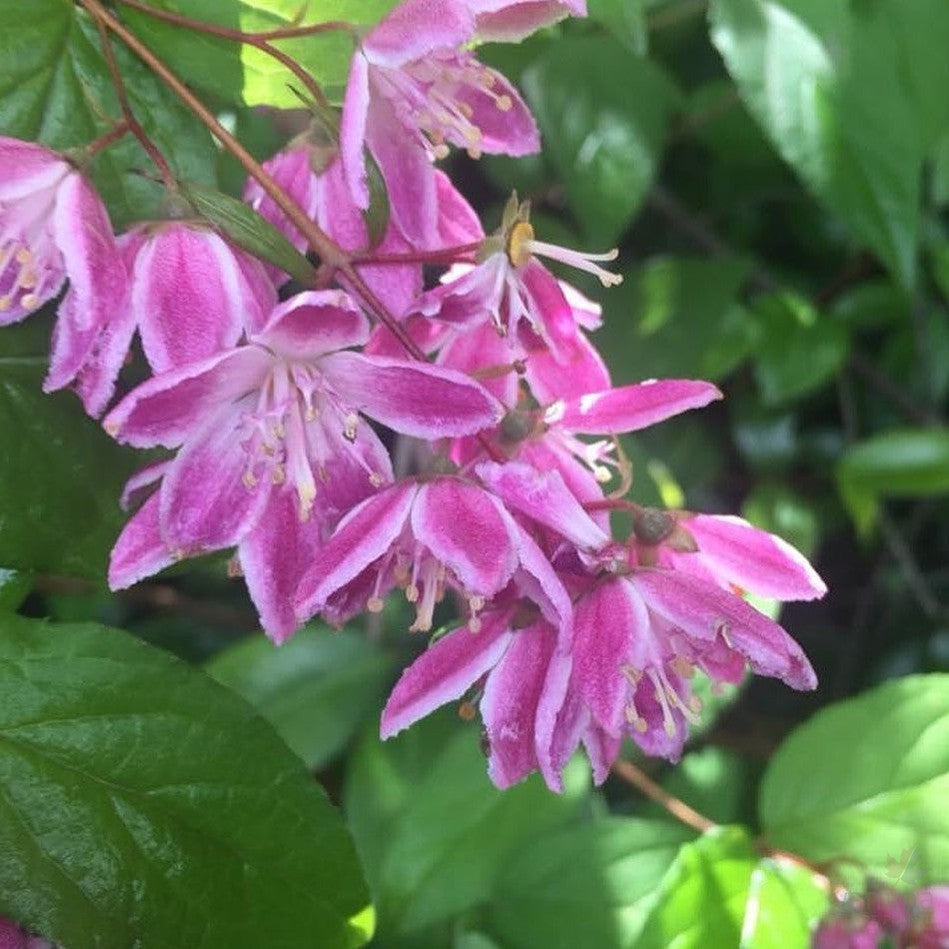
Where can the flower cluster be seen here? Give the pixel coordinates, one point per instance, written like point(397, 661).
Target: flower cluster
point(887, 917)
point(277, 411)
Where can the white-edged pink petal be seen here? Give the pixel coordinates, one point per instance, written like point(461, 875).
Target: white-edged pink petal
point(445, 671)
point(313, 323)
point(537, 579)
point(139, 551)
point(630, 408)
point(352, 129)
point(418, 27)
point(26, 167)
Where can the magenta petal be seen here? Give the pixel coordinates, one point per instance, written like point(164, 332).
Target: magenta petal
point(458, 222)
point(98, 280)
point(413, 398)
point(509, 704)
point(205, 504)
point(135, 490)
point(478, 348)
point(274, 556)
point(544, 497)
point(510, 21)
point(705, 612)
point(512, 131)
point(445, 671)
point(537, 579)
point(361, 538)
point(140, 551)
point(554, 706)
point(26, 168)
point(352, 130)
point(468, 299)
point(417, 27)
point(550, 308)
point(166, 408)
point(469, 531)
point(409, 174)
point(313, 323)
point(630, 408)
point(579, 370)
point(753, 559)
point(602, 749)
point(608, 622)
point(187, 296)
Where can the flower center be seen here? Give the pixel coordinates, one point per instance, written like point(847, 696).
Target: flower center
point(29, 260)
point(297, 428)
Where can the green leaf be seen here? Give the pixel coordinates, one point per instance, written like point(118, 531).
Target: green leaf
point(867, 780)
point(60, 474)
point(677, 316)
point(315, 689)
point(713, 781)
point(589, 885)
point(702, 900)
point(825, 83)
point(625, 19)
point(15, 587)
point(246, 228)
point(604, 116)
point(143, 804)
point(912, 462)
point(432, 831)
point(241, 73)
point(55, 88)
point(785, 902)
point(800, 350)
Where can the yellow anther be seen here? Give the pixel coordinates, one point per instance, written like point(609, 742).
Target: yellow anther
point(518, 250)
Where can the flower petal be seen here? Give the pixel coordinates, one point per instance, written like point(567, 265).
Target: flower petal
point(412, 398)
point(313, 323)
point(752, 559)
point(140, 551)
point(361, 538)
point(705, 612)
point(134, 491)
point(579, 370)
point(26, 168)
point(508, 131)
point(607, 623)
point(205, 504)
point(510, 21)
point(352, 129)
point(418, 27)
point(510, 702)
point(97, 275)
point(469, 531)
point(544, 497)
point(274, 556)
point(602, 750)
point(445, 671)
point(630, 408)
point(458, 222)
point(554, 722)
point(166, 408)
point(537, 579)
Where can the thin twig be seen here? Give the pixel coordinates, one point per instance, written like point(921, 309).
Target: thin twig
point(132, 123)
point(449, 255)
point(678, 809)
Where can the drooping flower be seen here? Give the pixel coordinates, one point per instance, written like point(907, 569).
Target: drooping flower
point(513, 291)
point(192, 293)
point(14, 937)
point(412, 91)
point(428, 536)
point(270, 434)
point(54, 227)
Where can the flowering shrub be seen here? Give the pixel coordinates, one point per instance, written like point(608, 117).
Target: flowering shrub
point(349, 385)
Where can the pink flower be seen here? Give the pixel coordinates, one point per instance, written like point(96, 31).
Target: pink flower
point(412, 91)
point(515, 293)
point(428, 536)
point(269, 432)
point(54, 227)
point(848, 931)
point(192, 293)
point(930, 918)
point(13, 937)
point(512, 20)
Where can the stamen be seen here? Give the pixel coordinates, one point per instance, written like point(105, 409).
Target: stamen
point(374, 604)
point(578, 259)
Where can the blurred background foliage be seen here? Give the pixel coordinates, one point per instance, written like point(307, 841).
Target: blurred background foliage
point(776, 176)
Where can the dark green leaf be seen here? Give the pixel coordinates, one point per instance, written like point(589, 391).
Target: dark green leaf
point(55, 88)
point(60, 474)
point(589, 885)
point(702, 899)
point(141, 804)
point(432, 831)
point(626, 19)
point(677, 316)
point(604, 116)
point(826, 85)
point(315, 689)
point(15, 587)
point(800, 350)
point(867, 780)
point(246, 228)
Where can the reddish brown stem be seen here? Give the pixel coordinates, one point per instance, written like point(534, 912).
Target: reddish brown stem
point(119, 130)
point(678, 809)
point(131, 122)
point(257, 40)
point(448, 255)
point(612, 504)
